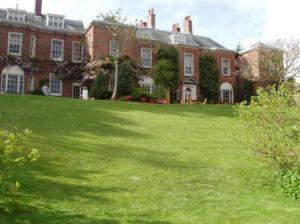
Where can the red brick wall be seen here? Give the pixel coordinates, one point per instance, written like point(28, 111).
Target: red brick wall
point(43, 52)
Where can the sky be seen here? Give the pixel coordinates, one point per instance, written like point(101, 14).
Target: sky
point(229, 22)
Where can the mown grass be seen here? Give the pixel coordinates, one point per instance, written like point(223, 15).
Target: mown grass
point(114, 162)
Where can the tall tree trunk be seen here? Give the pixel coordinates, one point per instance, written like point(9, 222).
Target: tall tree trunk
point(114, 95)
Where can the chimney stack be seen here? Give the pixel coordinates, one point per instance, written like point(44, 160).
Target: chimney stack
point(188, 25)
point(38, 7)
point(151, 19)
point(176, 28)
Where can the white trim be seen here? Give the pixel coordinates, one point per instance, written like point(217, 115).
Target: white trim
point(151, 57)
point(33, 46)
point(73, 51)
point(229, 66)
point(192, 66)
point(8, 43)
point(62, 51)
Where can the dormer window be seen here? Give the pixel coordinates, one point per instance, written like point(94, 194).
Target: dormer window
point(55, 21)
point(16, 15)
point(178, 38)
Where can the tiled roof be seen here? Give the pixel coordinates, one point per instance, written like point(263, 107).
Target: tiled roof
point(39, 22)
point(191, 39)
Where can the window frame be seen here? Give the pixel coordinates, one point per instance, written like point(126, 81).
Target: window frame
point(21, 43)
point(73, 51)
point(21, 14)
point(57, 17)
point(62, 51)
point(229, 66)
point(192, 66)
point(114, 44)
point(6, 83)
point(61, 85)
point(143, 58)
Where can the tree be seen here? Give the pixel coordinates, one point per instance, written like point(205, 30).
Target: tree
point(277, 61)
point(128, 77)
point(170, 54)
point(122, 33)
point(164, 76)
point(209, 83)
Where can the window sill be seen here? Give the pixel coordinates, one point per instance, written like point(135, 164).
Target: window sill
point(188, 74)
point(57, 59)
point(51, 94)
point(226, 75)
point(13, 54)
point(75, 61)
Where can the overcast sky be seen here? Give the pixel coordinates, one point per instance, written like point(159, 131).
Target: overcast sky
point(226, 21)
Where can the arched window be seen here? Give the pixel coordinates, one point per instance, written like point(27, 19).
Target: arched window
point(226, 93)
point(12, 80)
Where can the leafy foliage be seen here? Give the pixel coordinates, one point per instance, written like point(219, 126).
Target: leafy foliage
point(129, 73)
point(270, 127)
point(171, 55)
point(164, 74)
point(209, 83)
point(99, 88)
point(290, 183)
point(13, 151)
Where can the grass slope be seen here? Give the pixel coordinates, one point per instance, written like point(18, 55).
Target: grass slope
point(114, 163)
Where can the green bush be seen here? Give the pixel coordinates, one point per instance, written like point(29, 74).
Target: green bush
point(13, 152)
point(270, 127)
point(127, 79)
point(137, 93)
point(99, 89)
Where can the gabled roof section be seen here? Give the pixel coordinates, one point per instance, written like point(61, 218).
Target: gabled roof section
point(40, 22)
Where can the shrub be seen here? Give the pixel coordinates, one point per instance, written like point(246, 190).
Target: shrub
point(99, 89)
point(127, 79)
point(138, 94)
point(13, 151)
point(269, 127)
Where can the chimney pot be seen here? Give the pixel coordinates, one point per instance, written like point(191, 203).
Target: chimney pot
point(176, 28)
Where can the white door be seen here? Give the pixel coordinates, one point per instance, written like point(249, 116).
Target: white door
point(189, 92)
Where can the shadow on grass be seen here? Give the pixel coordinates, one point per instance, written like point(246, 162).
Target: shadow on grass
point(26, 214)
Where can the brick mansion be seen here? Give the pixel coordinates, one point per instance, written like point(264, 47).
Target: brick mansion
point(53, 37)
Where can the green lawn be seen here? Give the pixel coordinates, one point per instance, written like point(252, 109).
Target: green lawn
point(115, 163)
